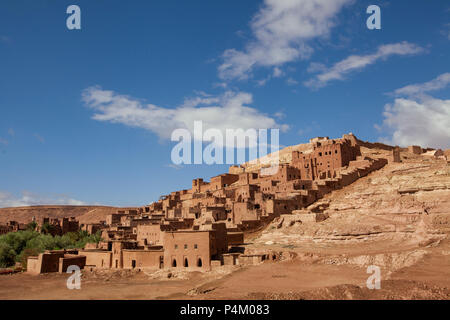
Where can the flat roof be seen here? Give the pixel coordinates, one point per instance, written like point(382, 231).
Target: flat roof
point(143, 250)
point(188, 231)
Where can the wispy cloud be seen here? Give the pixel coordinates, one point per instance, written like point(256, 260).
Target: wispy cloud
point(445, 31)
point(355, 63)
point(417, 118)
point(32, 199)
point(4, 141)
point(39, 138)
point(291, 81)
point(11, 132)
point(4, 39)
point(438, 83)
point(227, 111)
point(174, 166)
point(282, 30)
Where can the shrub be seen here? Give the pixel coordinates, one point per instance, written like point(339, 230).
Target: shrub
point(23, 256)
point(18, 246)
point(7, 255)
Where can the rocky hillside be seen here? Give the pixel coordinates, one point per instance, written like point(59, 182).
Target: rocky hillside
point(408, 201)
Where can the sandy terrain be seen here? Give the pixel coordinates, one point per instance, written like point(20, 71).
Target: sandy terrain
point(312, 277)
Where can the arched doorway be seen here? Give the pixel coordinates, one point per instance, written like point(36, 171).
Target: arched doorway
point(199, 262)
point(186, 264)
point(174, 263)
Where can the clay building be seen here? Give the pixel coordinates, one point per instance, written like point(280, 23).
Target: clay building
point(326, 159)
point(55, 261)
point(59, 227)
point(194, 249)
point(93, 228)
point(4, 229)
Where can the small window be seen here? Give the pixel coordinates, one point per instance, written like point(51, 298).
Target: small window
point(176, 246)
point(185, 246)
point(195, 246)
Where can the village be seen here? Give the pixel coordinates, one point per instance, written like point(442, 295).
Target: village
point(204, 227)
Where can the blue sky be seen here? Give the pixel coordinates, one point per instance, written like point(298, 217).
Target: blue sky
point(310, 67)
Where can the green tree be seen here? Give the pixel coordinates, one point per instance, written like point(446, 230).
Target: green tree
point(23, 256)
point(32, 226)
point(47, 228)
point(18, 246)
point(7, 255)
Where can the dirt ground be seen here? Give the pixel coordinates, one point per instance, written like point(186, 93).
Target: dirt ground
point(306, 276)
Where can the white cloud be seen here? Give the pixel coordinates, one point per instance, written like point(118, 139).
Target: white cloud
point(280, 115)
point(316, 67)
point(220, 85)
point(438, 83)
point(32, 199)
point(446, 31)
point(277, 72)
point(358, 62)
point(419, 119)
point(39, 138)
point(425, 122)
point(291, 81)
point(262, 82)
point(227, 111)
point(281, 30)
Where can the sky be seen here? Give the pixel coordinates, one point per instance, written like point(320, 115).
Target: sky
point(86, 116)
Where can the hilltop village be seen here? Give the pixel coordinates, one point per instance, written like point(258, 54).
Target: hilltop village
point(203, 227)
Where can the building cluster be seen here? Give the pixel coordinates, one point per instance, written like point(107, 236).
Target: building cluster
point(48, 225)
point(203, 227)
point(12, 226)
point(58, 227)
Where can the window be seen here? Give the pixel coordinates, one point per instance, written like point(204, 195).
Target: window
point(199, 262)
point(320, 154)
point(185, 246)
point(133, 264)
point(195, 246)
point(176, 246)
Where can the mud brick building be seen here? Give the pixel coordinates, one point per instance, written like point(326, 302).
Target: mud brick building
point(55, 261)
point(59, 227)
